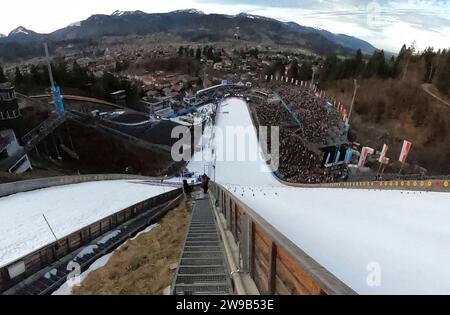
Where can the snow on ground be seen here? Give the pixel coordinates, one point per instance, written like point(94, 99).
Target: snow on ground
point(67, 208)
point(356, 234)
point(66, 289)
point(51, 273)
point(108, 237)
point(88, 250)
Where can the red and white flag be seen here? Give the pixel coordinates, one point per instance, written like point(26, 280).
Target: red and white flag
point(364, 155)
point(383, 153)
point(405, 151)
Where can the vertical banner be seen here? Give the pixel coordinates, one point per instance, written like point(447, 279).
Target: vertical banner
point(363, 158)
point(383, 153)
point(405, 151)
point(338, 156)
point(348, 156)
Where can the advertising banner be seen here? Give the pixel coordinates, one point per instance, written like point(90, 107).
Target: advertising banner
point(383, 154)
point(405, 151)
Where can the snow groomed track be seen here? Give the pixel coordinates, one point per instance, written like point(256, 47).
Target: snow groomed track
point(400, 235)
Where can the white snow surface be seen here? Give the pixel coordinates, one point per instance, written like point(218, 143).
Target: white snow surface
point(67, 208)
point(51, 273)
point(20, 30)
point(108, 237)
point(355, 234)
point(88, 250)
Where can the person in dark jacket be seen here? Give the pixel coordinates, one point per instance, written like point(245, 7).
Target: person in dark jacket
point(187, 189)
point(205, 183)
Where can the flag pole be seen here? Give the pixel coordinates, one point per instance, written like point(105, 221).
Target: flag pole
point(401, 169)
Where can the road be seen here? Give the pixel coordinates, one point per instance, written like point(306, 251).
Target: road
point(427, 88)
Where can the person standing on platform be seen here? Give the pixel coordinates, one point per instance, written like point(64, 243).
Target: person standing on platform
point(205, 183)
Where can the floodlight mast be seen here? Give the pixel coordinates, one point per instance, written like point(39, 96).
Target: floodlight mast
point(50, 74)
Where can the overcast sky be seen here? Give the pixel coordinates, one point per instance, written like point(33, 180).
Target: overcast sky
point(385, 24)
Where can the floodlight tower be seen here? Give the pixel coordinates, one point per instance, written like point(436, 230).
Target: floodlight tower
point(50, 74)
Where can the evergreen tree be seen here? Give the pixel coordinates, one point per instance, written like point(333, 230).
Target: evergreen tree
point(428, 57)
point(3, 77)
point(18, 77)
point(329, 69)
point(401, 58)
point(377, 66)
point(198, 53)
point(293, 69)
point(443, 73)
point(180, 51)
point(210, 53)
point(305, 72)
point(35, 75)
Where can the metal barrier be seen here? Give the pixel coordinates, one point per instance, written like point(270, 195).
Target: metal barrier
point(276, 265)
point(431, 185)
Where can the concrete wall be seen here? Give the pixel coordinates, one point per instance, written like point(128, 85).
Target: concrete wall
point(33, 184)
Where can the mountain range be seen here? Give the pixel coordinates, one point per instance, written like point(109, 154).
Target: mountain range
point(195, 26)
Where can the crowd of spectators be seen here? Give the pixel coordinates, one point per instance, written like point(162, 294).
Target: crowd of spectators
point(296, 163)
point(320, 124)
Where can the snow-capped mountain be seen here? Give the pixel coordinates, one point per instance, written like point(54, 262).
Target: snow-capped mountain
point(19, 30)
point(189, 11)
point(23, 35)
point(253, 16)
point(196, 26)
point(121, 13)
point(75, 24)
